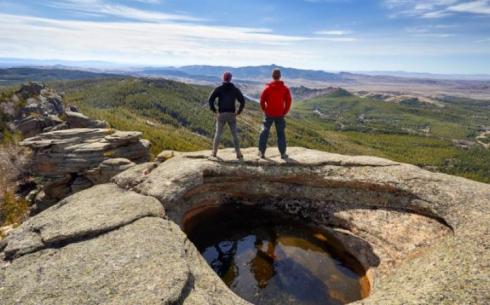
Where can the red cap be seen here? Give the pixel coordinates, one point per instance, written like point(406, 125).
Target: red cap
point(227, 76)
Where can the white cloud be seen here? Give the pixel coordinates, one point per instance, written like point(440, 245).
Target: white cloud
point(337, 39)
point(472, 7)
point(429, 31)
point(138, 36)
point(433, 9)
point(100, 7)
point(140, 42)
point(418, 29)
point(325, 1)
point(335, 35)
point(333, 32)
point(434, 35)
point(436, 14)
point(148, 1)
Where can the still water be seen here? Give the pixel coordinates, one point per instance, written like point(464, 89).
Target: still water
point(268, 259)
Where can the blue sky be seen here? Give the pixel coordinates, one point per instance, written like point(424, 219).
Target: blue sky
point(438, 36)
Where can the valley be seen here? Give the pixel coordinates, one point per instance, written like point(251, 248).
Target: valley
point(443, 133)
point(174, 115)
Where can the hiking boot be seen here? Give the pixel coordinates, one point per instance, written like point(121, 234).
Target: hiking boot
point(261, 155)
point(239, 156)
point(284, 156)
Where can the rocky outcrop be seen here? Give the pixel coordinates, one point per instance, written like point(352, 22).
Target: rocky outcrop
point(422, 236)
point(37, 109)
point(34, 109)
point(74, 159)
point(71, 151)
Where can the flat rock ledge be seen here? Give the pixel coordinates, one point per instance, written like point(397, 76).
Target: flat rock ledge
point(422, 237)
point(71, 160)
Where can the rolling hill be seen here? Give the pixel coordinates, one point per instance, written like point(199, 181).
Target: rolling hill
point(11, 76)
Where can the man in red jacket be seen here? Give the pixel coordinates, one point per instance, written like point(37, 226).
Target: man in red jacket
point(275, 102)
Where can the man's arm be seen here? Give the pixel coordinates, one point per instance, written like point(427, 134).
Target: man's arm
point(263, 99)
point(241, 100)
point(288, 101)
point(211, 100)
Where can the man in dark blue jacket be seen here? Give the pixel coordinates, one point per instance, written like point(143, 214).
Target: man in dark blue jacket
point(226, 113)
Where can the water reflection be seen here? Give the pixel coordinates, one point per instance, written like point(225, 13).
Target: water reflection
point(268, 259)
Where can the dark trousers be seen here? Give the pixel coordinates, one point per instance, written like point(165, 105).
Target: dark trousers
point(280, 123)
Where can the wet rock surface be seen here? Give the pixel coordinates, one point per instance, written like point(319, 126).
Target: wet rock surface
point(423, 235)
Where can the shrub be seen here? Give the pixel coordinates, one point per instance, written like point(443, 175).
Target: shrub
point(13, 162)
point(13, 210)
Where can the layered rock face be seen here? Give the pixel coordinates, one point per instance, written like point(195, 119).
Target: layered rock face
point(75, 159)
point(421, 236)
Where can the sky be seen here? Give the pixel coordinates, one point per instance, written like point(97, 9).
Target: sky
point(435, 36)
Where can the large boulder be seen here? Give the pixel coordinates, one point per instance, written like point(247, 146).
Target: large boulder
point(421, 236)
point(79, 120)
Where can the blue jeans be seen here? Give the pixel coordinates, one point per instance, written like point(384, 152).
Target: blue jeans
point(280, 123)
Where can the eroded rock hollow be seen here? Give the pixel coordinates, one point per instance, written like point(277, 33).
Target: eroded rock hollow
point(422, 237)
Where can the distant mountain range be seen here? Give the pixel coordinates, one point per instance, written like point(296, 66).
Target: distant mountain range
point(426, 75)
point(213, 73)
point(247, 73)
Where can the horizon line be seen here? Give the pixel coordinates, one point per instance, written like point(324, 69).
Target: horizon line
point(7, 62)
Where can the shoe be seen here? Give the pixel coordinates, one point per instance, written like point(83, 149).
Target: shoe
point(284, 156)
point(239, 156)
point(261, 155)
point(214, 155)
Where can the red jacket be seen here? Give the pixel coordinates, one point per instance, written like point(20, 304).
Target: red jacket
point(275, 100)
